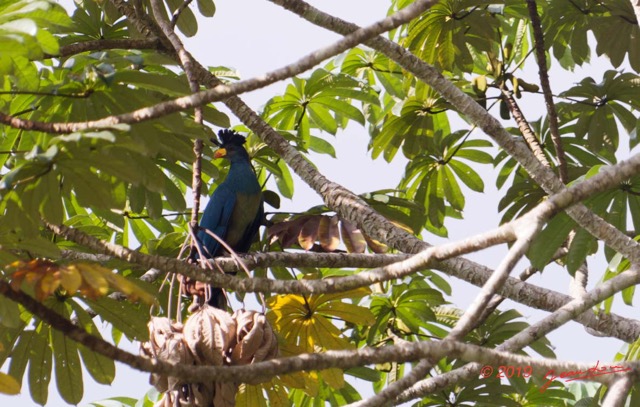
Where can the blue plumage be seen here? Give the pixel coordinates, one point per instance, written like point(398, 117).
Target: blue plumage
point(235, 211)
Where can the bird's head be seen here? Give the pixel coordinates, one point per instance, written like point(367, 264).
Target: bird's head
point(230, 146)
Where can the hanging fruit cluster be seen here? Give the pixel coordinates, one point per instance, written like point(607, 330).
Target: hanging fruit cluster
point(209, 337)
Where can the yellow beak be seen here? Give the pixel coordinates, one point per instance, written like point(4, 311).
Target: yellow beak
point(221, 152)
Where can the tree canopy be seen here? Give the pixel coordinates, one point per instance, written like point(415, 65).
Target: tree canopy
point(105, 127)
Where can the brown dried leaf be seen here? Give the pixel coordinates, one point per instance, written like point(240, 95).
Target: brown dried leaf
point(225, 394)
point(166, 343)
point(329, 233)
point(375, 245)
point(288, 231)
point(309, 232)
point(255, 338)
point(210, 335)
point(352, 238)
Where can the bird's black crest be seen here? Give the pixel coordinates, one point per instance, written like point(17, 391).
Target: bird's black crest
point(228, 137)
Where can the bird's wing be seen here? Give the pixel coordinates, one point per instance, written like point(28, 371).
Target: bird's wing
point(252, 226)
point(216, 218)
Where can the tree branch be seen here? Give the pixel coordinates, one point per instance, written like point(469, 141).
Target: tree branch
point(479, 116)
point(531, 334)
point(106, 44)
point(525, 129)
point(222, 91)
point(618, 392)
point(608, 177)
point(264, 371)
point(541, 57)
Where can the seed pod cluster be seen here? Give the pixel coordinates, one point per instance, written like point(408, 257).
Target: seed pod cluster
point(209, 337)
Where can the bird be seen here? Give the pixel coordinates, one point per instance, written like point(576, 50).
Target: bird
point(235, 210)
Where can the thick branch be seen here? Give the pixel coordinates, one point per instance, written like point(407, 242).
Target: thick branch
point(618, 392)
point(221, 91)
point(479, 116)
point(264, 371)
point(531, 334)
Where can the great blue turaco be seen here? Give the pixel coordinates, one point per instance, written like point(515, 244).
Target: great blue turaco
point(234, 211)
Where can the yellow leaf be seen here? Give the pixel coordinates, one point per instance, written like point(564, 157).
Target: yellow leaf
point(333, 377)
point(129, 288)
point(317, 300)
point(324, 334)
point(70, 278)
point(46, 286)
point(94, 277)
point(9, 385)
point(249, 395)
point(348, 312)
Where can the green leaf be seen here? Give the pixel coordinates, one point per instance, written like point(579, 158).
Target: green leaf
point(123, 315)
point(452, 190)
point(100, 367)
point(187, 22)
point(321, 146)
point(467, 175)
point(549, 240)
point(9, 314)
point(51, 204)
point(284, 181)
point(582, 245)
point(322, 118)
point(67, 367)
point(207, 8)
point(40, 363)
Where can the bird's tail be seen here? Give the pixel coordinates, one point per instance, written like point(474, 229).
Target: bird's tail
point(218, 298)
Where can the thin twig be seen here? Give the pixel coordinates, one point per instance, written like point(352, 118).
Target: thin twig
point(532, 333)
point(176, 14)
point(225, 91)
point(541, 57)
point(525, 129)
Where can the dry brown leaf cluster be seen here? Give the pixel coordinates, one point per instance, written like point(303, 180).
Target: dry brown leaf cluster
point(209, 337)
point(322, 233)
point(90, 280)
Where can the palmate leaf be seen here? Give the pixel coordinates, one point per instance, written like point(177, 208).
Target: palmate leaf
point(568, 36)
point(305, 321)
point(433, 176)
point(422, 116)
point(618, 22)
point(441, 35)
point(323, 101)
point(375, 68)
point(603, 105)
point(26, 32)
